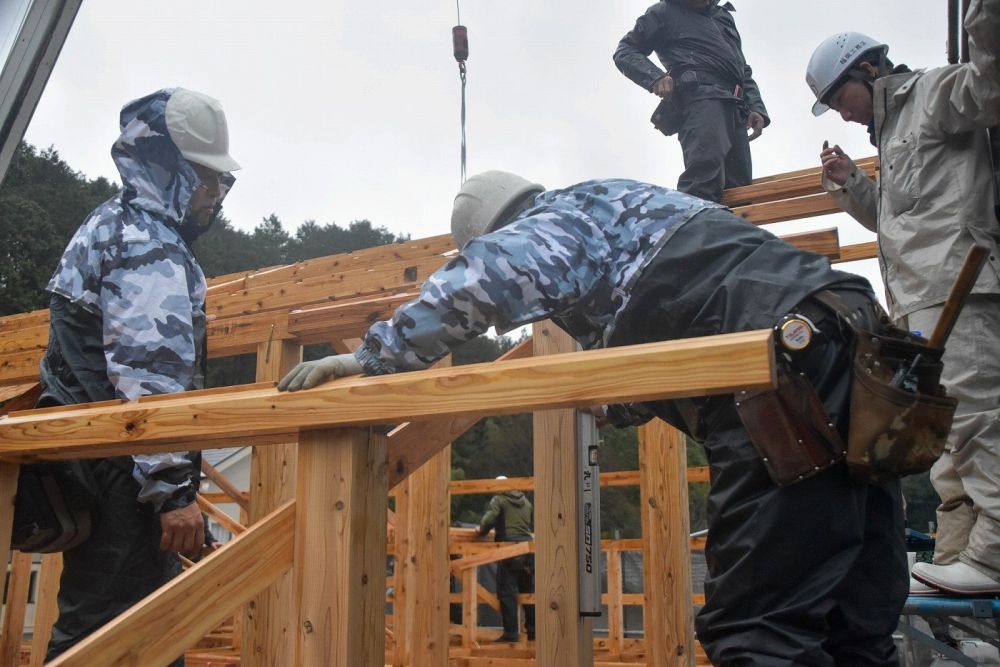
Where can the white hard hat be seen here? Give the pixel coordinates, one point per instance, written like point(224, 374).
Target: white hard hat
point(485, 201)
point(832, 59)
point(197, 126)
point(501, 476)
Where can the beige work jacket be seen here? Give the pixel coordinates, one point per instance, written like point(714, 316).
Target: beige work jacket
point(935, 196)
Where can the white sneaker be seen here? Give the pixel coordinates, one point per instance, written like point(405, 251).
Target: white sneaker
point(957, 578)
point(918, 587)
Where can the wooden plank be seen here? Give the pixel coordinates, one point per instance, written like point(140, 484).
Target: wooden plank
point(607, 479)
point(788, 209)
point(358, 260)
point(340, 548)
point(691, 367)
point(346, 318)
point(822, 242)
point(24, 339)
point(413, 443)
point(862, 162)
point(227, 487)
point(19, 397)
point(226, 521)
point(851, 253)
point(563, 636)
point(15, 608)
point(786, 186)
point(422, 572)
point(46, 607)
point(242, 334)
point(268, 621)
point(17, 321)
point(157, 629)
point(20, 367)
point(401, 275)
point(497, 553)
point(666, 559)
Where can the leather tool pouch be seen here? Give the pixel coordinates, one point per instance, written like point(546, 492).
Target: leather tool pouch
point(894, 432)
point(667, 117)
point(53, 507)
point(790, 428)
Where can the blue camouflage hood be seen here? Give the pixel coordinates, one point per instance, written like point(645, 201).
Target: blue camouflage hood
point(155, 176)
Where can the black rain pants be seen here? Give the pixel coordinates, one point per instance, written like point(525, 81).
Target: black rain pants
point(119, 565)
point(810, 574)
point(716, 149)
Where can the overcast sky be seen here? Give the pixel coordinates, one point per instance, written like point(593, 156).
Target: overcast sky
point(341, 110)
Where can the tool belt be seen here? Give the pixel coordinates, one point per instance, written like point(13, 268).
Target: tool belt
point(669, 113)
point(790, 428)
point(896, 431)
point(896, 428)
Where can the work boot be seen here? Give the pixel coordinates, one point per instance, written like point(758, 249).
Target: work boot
point(918, 587)
point(957, 578)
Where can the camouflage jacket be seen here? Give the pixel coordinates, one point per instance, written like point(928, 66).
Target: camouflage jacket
point(573, 256)
point(129, 267)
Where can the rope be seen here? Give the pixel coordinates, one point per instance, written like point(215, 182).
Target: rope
point(462, 77)
point(461, 74)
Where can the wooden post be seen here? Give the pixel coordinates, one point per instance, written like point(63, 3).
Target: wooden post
point(470, 608)
point(666, 555)
point(16, 606)
point(563, 636)
point(18, 585)
point(616, 611)
point(8, 490)
point(340, 548)
point(267, 620)
point(46, 608)
point(420, 608)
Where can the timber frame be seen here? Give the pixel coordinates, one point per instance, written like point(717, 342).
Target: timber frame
point(303, 581)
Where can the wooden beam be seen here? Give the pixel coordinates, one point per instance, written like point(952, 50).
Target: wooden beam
point(224, 485)
point(226, 521)
point(666, 558)
point(400, 275)
point(269, 621)
point(822, 242)
point(564, 637)
point(340, 548)
point(851, 253)
point(46, 607)
point(786, 186)
point(157, 629)
point(691, 367)
point(788, 209)
point(491, 556)
point(15, 608)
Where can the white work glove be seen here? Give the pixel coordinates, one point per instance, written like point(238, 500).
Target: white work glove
point(308, 374)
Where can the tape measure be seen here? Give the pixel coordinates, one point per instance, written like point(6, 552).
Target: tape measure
point(795, 332)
